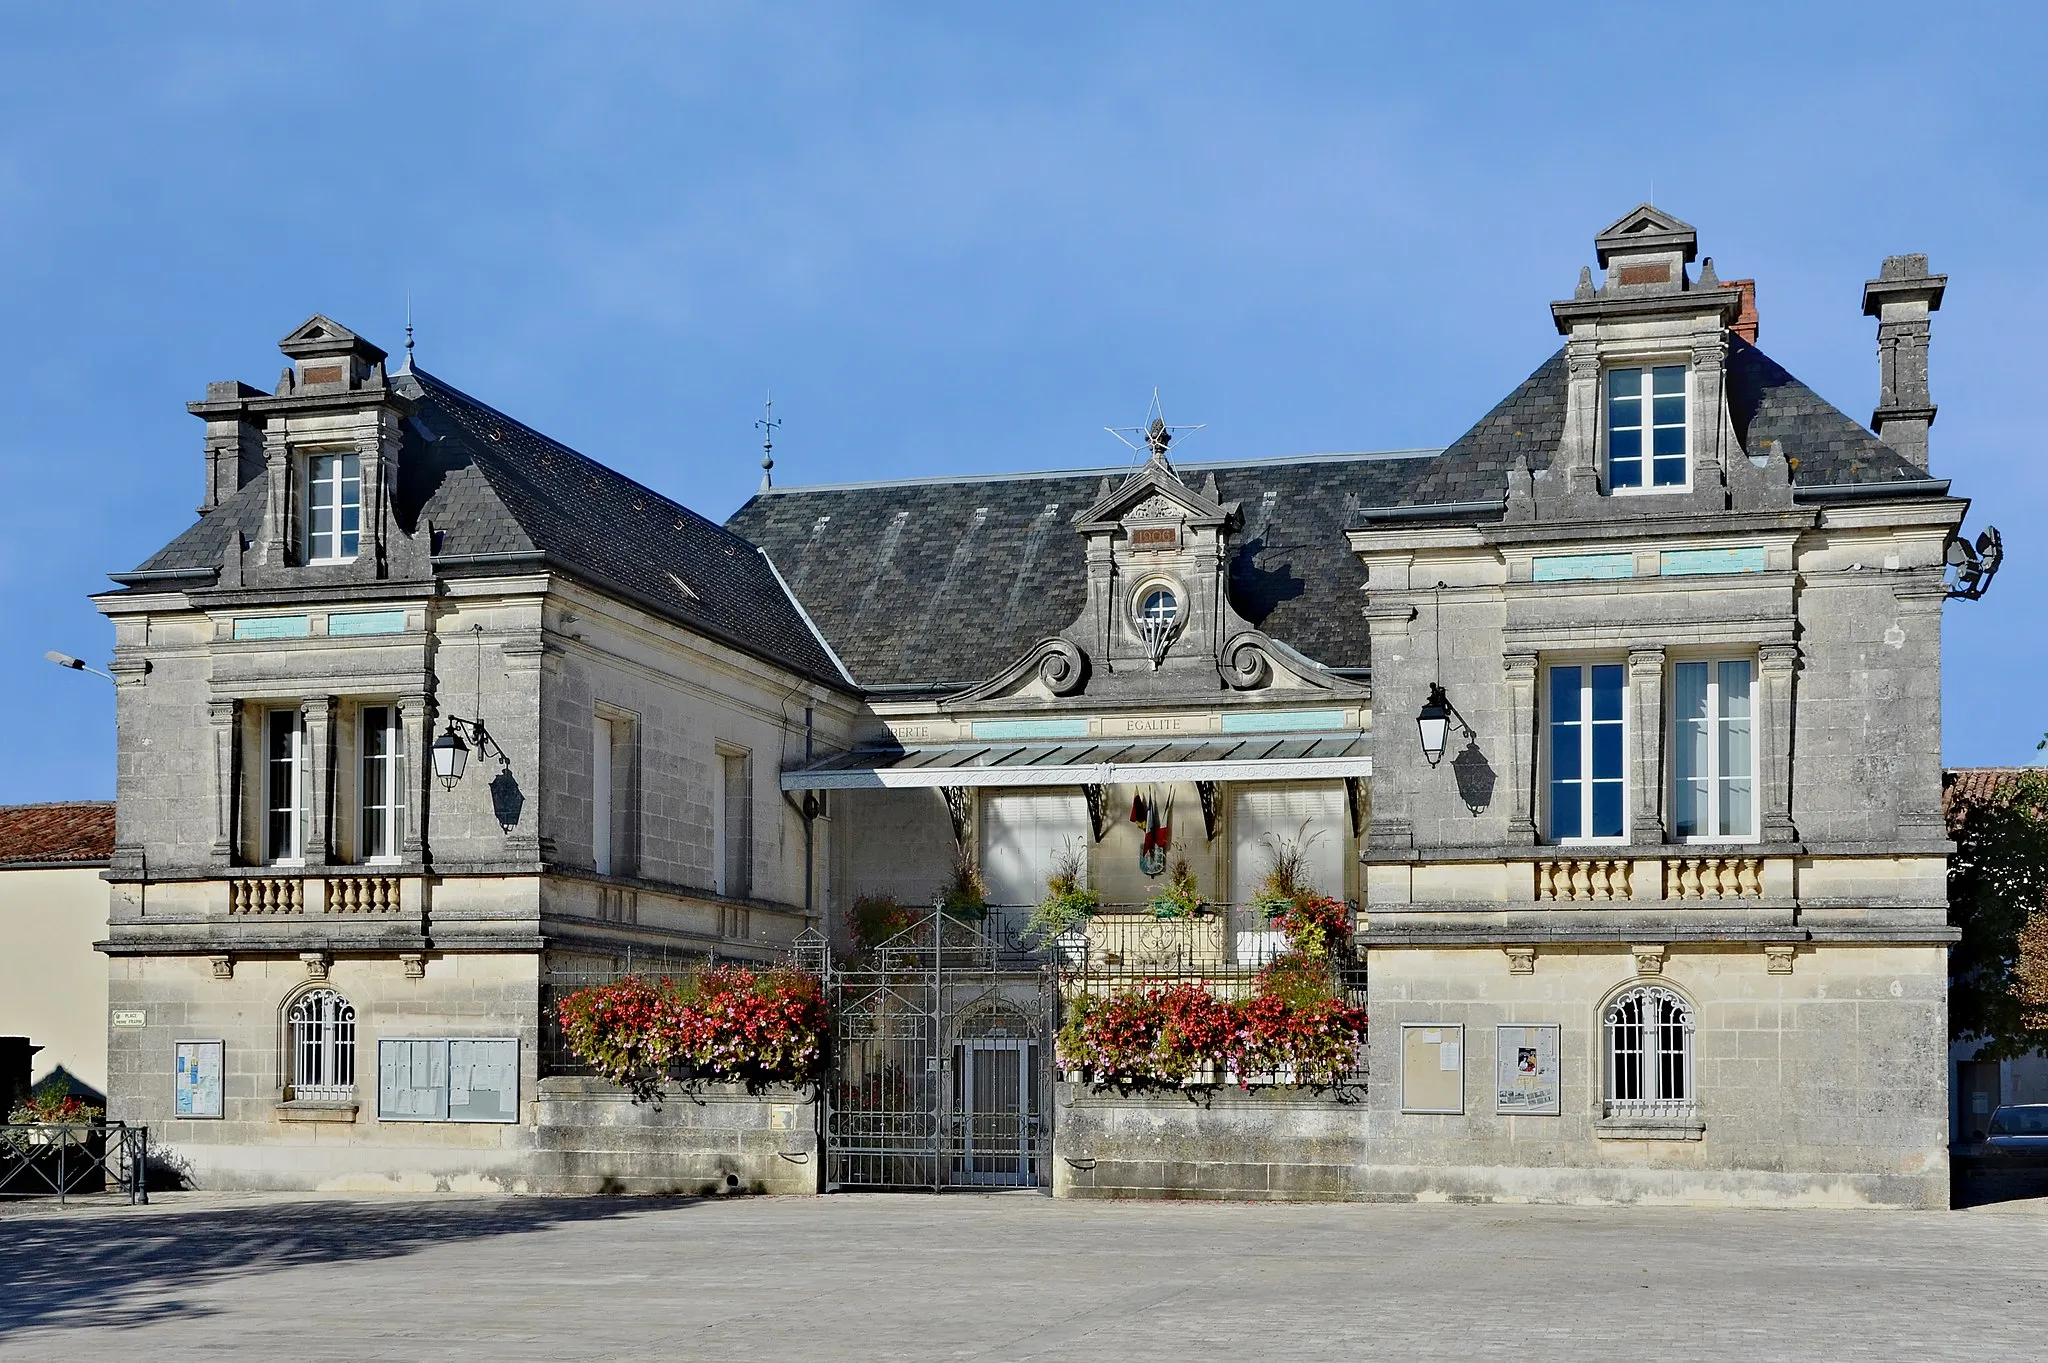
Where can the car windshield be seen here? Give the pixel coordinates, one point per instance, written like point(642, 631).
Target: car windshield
point(2020, 1121)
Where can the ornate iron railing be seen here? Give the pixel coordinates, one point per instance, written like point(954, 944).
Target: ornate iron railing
point(60, 1159)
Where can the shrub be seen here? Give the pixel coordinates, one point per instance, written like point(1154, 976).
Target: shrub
point(1069, 902)
point(965, 894)
point(56, 1108)
point(874, 918)
point(728, 1024)
point(1295, 1029)
point(1182, 896)
point(1315, 926)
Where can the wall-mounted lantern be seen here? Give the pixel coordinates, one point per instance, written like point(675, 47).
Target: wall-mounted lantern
point(1434, 723)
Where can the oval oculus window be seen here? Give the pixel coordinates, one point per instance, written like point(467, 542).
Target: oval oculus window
point(1160, 609)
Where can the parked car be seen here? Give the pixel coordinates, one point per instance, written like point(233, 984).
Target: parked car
point(2018, 1137)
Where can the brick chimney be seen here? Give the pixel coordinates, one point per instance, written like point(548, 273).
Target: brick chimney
point(1745, 323)
point(1902, 298)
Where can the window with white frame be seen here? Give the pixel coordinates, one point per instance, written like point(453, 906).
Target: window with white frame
point(601, 740)
point(321, 1031)
point(1713, 750)
point(284, 785)
point(334, 507)
point(1649, 1054)
point(1586, 752)
point(1646, 443)
point(381, 747)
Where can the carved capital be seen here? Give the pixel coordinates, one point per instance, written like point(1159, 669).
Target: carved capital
point(223, 967)
point(1521, 960)
point(1778, 958)
point(415, 965)
point(1650, 958)
point(317, 964)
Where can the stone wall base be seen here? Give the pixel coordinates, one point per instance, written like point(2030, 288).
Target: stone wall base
point(581, 1136)
point(1278, 1145)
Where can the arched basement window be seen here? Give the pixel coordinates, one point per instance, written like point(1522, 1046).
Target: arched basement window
point(1649, 1054)
point(321, 1031)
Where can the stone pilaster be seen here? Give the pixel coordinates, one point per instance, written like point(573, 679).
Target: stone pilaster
point(318, 717)
point(1646, 745)
point(1522, 764)
point(415, 719)
point(224, 720)
point(1776, 666)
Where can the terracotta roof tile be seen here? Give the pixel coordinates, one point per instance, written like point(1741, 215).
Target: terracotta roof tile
point(79, 831)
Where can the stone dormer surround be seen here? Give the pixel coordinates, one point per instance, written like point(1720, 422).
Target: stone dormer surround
point(1648, 309)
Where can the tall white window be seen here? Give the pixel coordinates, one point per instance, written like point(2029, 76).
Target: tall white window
point(1649, 1054)
point(1586, 752)
point(284, 772)
point(601, 795)
point(1646, 446)
point(380, 741)
point(334, 507)
point(1713, 750)
point(734, 826)
point(1268, 819)
point(322, 1029)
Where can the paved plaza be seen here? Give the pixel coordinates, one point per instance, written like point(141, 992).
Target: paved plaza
point(1009, 1277)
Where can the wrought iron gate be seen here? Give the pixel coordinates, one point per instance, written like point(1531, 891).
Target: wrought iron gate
point(940, 1064)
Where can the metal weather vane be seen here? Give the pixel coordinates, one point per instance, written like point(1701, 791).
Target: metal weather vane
point(1155, 434)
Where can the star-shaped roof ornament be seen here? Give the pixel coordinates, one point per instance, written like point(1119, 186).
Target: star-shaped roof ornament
point(1155, 433)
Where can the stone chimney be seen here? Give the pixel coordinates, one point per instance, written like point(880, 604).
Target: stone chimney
point(1745, 324)
point(1902, 298)
point(234, 440)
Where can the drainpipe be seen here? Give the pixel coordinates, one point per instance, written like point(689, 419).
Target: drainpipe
point(810, 856)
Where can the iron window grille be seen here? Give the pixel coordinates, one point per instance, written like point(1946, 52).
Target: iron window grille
point(1649, 1055)
point(1158, 621)
point(322, 1025)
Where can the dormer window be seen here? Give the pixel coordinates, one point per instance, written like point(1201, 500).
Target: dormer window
point(1646, 445)
point(334, 507)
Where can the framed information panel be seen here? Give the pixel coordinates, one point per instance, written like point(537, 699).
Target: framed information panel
point(448, 1079)
point(196, 1086)
point(1525, 1070)
point(1433, 1067)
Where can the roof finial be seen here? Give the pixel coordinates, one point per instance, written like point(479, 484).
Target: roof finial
point(1156, 434)
point(766, 425)
point(407, 367)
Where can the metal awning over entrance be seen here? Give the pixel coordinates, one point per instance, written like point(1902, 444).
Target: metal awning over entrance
point(1116, 761)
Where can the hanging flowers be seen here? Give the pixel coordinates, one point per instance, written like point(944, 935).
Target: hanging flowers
point(727, 1024)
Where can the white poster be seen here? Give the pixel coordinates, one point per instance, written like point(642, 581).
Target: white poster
point(1526, 1070)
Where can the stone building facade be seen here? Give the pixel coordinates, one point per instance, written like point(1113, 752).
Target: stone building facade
point(1616, 720)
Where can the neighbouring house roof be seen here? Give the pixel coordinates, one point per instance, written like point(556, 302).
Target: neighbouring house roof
point(491, 486)
point(948, 581)
point(71, 832)
point(1965, 788)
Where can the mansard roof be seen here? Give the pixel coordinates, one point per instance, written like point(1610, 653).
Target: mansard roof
point(948, 581)
point(1774, 414)
point(491, 487)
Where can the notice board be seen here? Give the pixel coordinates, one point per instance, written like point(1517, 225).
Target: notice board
point(1432, 1067)
point(1525, 1070)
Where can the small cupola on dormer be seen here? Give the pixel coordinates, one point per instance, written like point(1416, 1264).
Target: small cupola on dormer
point(329, 358)
point(1646, 251)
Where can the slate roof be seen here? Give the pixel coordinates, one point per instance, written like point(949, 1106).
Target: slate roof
point(1767, 404)
point(74, 832)
point(491, 485)
point(950, 581)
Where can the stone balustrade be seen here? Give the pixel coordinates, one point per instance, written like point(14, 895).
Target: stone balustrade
point(1584, 878)
point(1713, 878)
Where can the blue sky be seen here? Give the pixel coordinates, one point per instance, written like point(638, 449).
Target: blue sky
point(965, 239)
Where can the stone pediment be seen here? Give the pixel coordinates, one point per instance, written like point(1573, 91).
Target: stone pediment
point(322, 335)
point(1646, 228)
point(1156, 493)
